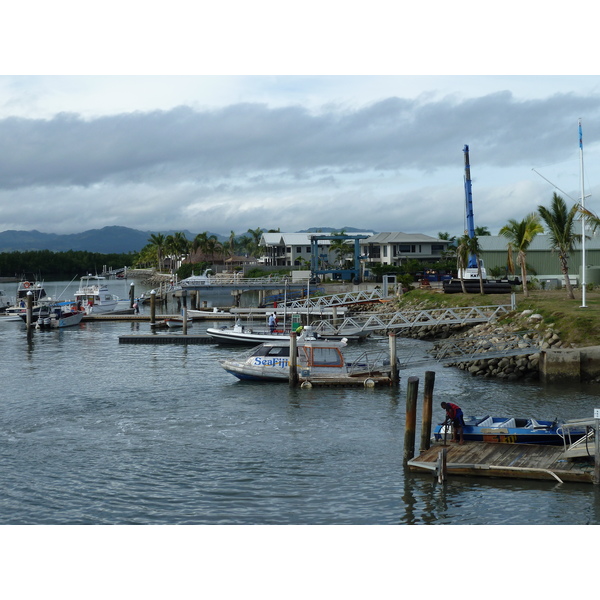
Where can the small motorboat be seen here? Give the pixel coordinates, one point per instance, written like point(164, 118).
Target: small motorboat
point(57, 315)
point(242, 334)
point(94, 295)
point(318, 362)
point(508, 431)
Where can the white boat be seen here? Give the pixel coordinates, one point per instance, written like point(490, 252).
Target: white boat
point(4, 302)
point(95, 296)
point(57, 315)
point(242, 334)
point(318, 362)
point(177, 322)
point(26, 286)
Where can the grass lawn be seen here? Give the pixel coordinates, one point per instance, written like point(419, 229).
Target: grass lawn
point(574, 324)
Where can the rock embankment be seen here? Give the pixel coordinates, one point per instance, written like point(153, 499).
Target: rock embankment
point(531, 329)
point(520, 330)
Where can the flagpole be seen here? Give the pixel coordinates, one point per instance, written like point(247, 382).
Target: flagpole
point(583, 262)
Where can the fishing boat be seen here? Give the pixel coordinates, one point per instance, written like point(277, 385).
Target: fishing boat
point(26, 287)
point(250, 335)
point(56, 315)
point(177, 322)
point(508, 431)
point(243, 334)
point(94, 295)
point(318, 362)
point(4, 302)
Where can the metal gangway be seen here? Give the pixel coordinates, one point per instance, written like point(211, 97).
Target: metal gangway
point(320, 302)
point(368, 322)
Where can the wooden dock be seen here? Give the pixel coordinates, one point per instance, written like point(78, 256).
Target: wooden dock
point(165, 338)
point(524, 461)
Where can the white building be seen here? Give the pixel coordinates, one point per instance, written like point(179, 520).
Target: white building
point(389, 248)
point(395, 248)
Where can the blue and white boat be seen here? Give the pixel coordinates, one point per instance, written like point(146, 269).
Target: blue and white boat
point(508, 430)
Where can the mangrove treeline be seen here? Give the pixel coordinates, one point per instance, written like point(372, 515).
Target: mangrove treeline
point(60, 265)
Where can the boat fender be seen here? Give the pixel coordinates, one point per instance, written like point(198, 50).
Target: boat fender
point(306, 385)
point(369, 383)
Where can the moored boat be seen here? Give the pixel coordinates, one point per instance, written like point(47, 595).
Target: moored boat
point(318, 361)
point(56, 315)
point(508, 430)
point(94, 296)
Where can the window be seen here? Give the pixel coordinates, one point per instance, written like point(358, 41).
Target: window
point(326, 357)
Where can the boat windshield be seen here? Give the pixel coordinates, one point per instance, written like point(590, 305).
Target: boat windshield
point(324, 357)
point(272, 351)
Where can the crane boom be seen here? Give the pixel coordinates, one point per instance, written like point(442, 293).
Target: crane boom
point(469, 203)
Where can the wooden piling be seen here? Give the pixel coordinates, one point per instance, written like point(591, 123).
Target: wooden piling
point(293, 361)
point(427, 410)
point(185, 323)
point(412, 390)
point(29, 313)
point(131, 295)
point(152, 308)
point(394, 371)
point(597, 453)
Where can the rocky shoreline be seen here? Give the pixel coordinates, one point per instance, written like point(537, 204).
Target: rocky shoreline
point(525, 366)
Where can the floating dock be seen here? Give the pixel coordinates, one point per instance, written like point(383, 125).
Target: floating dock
point(165, 338)
point(521, 461)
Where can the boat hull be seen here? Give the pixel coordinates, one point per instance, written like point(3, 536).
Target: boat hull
point(500, 430)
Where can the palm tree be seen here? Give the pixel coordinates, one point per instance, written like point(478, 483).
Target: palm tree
point(468, 247)
point(256, 235)
point(560, 222)
point(158, 241)
point(481, 231)
point(520, 235)
point(178, 246)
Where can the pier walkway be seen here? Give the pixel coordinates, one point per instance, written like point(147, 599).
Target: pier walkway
point(413, 318)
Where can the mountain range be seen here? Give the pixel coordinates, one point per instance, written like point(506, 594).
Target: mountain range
point(108, 240)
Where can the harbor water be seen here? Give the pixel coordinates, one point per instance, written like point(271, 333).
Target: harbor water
point(96, 432)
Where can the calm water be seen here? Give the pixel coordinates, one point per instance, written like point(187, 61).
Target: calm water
point(97, 432)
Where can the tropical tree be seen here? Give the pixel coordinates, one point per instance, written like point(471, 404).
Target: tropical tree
point(520, 234)
point(467, 247)
point(177, 246)
point(158, 242)
point(481, 231)
point(255, 237)
point(340, 247)
point(560, 223)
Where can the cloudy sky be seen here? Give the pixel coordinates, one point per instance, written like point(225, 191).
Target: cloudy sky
point(285, 143)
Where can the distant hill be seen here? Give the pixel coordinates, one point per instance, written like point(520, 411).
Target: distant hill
point(108, 240)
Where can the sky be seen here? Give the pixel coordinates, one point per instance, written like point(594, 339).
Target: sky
point(170, 124)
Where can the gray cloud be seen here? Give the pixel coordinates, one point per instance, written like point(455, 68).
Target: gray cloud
point(248, 164)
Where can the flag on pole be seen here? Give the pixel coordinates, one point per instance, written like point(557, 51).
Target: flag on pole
point(580, 136)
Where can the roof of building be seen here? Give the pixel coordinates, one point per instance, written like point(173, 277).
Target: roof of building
point(300, 239)
point(399, 237)
point(497, 243)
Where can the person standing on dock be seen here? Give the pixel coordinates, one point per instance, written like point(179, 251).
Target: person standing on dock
point(272, 322)
point(454, 415)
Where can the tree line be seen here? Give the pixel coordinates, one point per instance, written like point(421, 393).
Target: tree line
point(58, 265)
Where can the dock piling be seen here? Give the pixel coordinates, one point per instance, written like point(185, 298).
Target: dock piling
point(152, 308)
point(412, 390)
point(394, 371)
point(427, 410)
point(293, 361)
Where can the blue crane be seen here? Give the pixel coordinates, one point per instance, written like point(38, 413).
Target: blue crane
point(472, 264)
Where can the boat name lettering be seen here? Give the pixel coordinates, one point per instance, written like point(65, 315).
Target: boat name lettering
point(270, 362)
